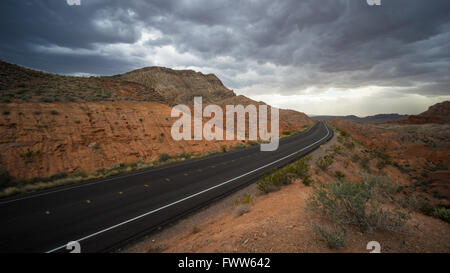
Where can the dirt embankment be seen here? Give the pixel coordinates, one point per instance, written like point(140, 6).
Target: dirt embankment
point(279, 221)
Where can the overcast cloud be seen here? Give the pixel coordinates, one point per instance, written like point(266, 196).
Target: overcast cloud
point(316, 56)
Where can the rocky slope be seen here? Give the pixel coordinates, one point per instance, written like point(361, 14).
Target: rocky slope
point(420, 150)
point(438, 113)
point(51, 124)
point(180, 86)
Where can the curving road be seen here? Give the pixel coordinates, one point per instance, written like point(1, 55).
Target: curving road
point(104, 214)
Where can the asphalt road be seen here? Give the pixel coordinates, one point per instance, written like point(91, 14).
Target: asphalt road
point(104, 214)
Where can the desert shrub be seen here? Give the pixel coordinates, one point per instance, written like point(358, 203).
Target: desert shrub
point(336, 149)
point(350, 145)
point(79, 173)
point(5, 178)
point(59, 175)
point(54, 112)
point(381, 164)
point(239, 146)
point(266, 186)
point(242, 204)
point(442, 213)
point(164, 157)
point(195, 230)
point(343, 133)
point(185, 155)
point(280, 177)
point(6, 113)
point(301, 169)
point(223, 149)
point(339, 175)
point(335, 237)
point(355, 158)
point(358, 204)
point(324, 162)
point(244, 199)
point(29, 155)
point(364, 163)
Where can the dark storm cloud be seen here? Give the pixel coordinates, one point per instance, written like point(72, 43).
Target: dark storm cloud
point(293, 45)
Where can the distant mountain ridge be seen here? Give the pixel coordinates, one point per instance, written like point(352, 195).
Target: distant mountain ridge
point(374, 118)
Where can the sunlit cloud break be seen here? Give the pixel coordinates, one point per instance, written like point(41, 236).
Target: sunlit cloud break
point(73, 2)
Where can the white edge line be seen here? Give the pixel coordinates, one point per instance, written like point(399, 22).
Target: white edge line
point(94, 183)
point(189, 197)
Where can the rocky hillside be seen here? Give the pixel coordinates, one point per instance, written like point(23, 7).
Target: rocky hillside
point(438, 113)
point(421, 151)
point(19, 84)
point(289, 119)
point(53, 124)
point(179, 86)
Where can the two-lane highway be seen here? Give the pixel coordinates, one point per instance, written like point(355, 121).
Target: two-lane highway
point(103, 214)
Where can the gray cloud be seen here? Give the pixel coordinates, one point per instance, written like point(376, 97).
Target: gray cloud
point(256, 47)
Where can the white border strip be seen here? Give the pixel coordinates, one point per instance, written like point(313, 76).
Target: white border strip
point(189, 197)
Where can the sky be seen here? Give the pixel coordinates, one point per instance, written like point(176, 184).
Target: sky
point(322, 57)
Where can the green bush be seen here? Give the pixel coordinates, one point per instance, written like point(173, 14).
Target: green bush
point(349, 145)
point(358, 204)
point(364, 163)
point(185, 155)
point(5, 178)
point(164, 157)
point(442, 213)
point(355, 158)
point(339, 175)
point(54, 112)
point(80, 173)
point(244, 199)
point(324, 162)
point(284, 176)
point(335, 237)
point(301, 169)
point(343, 133)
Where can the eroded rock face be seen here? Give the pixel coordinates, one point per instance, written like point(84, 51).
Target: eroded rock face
point(97, 122)
point(180, 86)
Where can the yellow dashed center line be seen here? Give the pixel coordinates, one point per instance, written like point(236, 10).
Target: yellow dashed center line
point(120, 192)
point(47, 212)
point(167, 179)
point(186, 174)
point(146, 185)
point(88, 201)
